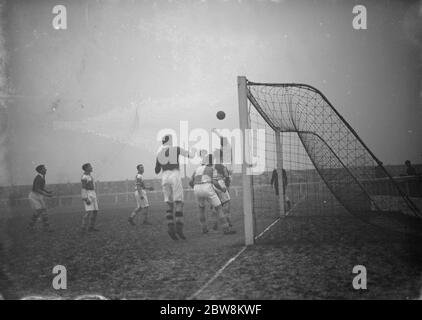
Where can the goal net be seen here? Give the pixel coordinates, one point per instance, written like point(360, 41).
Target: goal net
point(301, 158)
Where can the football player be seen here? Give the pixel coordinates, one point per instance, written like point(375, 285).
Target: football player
point(36, 199)
point(167, 162)
point(222, 177)
point(204, 187)
point(89, 197)
point(141, 197)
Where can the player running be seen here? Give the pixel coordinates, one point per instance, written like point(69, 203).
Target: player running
point(141, 197)
point(89, 197)
point(168, 162)
point(204, 187)
point(36, 199)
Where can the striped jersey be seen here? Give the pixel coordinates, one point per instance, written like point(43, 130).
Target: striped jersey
point(139, 182)
point(87, 182)
point(203, 174)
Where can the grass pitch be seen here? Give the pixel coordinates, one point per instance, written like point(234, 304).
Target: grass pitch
point(300, 257)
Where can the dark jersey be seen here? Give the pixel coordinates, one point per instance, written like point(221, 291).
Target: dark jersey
point(274, 178)
point(411, 171)
point(222, 171)
point(222, 174)
point(38, 184)
point(168, 159)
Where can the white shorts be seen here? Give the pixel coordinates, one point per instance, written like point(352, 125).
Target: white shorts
point(37, 201)
point(206, 192)
point(141, 199)
point(224, 196)
point(92, 196)
point(172, 186)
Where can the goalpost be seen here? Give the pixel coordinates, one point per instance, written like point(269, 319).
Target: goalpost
point(246, 179)
point(251, 228)
point(322, 166)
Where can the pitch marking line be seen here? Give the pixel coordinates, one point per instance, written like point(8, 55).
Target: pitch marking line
point(219, 272)
point(230, 261)
point(295, 205)
point(266, 229)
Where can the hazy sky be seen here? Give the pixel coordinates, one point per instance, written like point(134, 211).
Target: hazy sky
point(123, 70)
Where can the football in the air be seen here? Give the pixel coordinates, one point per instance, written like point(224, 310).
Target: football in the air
point(221, 115)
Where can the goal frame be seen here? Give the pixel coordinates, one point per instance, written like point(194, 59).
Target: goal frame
point(356, 203)
point(247, 188)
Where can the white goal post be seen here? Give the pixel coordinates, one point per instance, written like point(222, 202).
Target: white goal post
point(247, 188)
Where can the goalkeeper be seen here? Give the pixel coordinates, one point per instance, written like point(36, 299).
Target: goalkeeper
point(223, 178)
